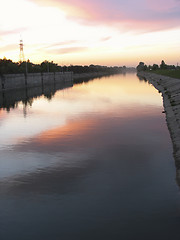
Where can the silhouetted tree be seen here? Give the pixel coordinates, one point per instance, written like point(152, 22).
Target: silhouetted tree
point(141, 67)
point(163, 65)
point(7, 66)
point(155, 67)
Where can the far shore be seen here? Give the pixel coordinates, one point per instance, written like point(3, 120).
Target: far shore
point(90, 74)
point(21, 81)
point(170, 89)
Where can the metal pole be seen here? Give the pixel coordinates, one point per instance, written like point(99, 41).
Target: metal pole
point(26, 68)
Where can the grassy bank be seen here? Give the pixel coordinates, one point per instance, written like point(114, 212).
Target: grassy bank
point(168, 72)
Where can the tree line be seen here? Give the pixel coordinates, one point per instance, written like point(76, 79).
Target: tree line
point(7, 66)
point(154, 67)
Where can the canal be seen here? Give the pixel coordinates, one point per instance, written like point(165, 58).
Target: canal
point(91, 161)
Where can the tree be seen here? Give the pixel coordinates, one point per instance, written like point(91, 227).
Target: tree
point(163, 65)
point(141, 67)
point(155, 67)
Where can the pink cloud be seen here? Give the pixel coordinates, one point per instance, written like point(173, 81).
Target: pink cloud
point(11, 31)
point(162, 5)
point(66, 50)
point(133, 15)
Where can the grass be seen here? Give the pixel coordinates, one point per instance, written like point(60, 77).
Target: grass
point(169, 73)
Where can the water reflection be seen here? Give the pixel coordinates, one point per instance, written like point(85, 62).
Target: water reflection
point(81, 120)
point(118, 97)
point(73, 149)
point(11, 99)
point(92, 163)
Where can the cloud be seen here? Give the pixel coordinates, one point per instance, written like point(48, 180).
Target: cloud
point(9, 47)
point(162, 5)
point(64, 47)
point(11, 31)
point(62, 43)
point(105, 39)
point(135, 15)
point(66, 50)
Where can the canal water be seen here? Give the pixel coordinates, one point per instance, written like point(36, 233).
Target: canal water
point(93, 161)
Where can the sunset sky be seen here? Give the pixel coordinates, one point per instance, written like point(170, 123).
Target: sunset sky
point(116, 32)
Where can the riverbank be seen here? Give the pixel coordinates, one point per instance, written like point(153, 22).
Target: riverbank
point(168, 72)
point(31, 80)
point(15, 89)
point(90, 75)
point(170, 89)
point(10, 99)
point(85, 77)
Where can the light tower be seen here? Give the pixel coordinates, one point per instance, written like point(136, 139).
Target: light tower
point(21, 54)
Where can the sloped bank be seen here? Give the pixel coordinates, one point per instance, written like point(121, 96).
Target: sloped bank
point(170, 89)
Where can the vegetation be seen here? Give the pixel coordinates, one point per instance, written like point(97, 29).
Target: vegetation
point(7, 66)
point(169, 73)
point(162, 69)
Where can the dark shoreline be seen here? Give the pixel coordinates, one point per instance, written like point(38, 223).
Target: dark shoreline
point(170, 89)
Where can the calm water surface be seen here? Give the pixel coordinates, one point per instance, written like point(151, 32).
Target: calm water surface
point(93, 162)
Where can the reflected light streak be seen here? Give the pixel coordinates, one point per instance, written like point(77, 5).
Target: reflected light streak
point(86, 130)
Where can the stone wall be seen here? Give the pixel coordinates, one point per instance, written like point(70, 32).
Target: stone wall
point(11, 81)
point(65, 76)
point(34, 79)
point(20, 81)
point(48, 78)
point(10, 99)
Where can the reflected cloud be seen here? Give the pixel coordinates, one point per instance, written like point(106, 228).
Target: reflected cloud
point(124, 92)
point(91, 133)
point(66, 139)
point(56, 157)
point(61, 174)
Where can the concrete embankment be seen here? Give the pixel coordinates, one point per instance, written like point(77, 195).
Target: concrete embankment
point(20, 81)
point(19, 87)
point(10, 99)
point(170, 89)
